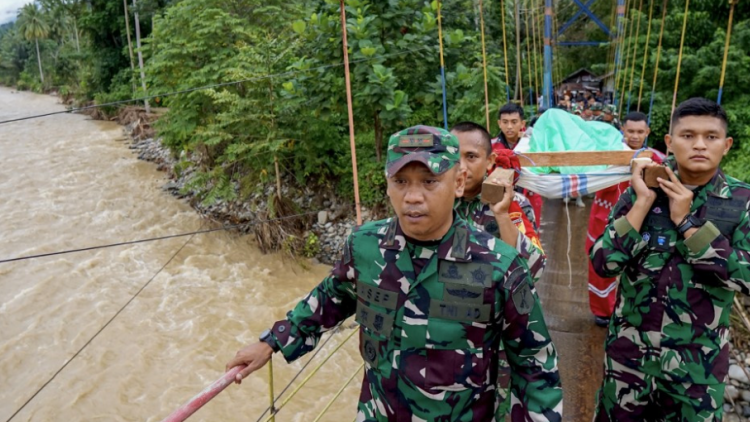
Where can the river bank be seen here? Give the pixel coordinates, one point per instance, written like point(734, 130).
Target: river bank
point(326, 222)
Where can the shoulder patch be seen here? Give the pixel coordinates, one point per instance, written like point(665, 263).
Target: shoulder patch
point(523, 299)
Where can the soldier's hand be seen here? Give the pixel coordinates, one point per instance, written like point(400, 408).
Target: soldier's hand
point(680, 197)
point(502, 207)
point(255, 356)
point(643, 193)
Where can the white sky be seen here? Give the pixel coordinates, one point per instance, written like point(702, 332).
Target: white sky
point(9, 9)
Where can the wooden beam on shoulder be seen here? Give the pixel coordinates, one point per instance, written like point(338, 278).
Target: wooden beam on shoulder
point(580, 158)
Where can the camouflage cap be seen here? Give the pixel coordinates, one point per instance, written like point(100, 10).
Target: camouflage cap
point(596, 107)
point(609, 109)
point(435, 148)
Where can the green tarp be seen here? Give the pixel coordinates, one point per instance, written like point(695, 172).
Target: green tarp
point(557, 131)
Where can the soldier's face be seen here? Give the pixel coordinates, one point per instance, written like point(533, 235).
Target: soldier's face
point(476, 158)
point(698, 143)
point(423, 201)
point(635, 133)
point(608, 117)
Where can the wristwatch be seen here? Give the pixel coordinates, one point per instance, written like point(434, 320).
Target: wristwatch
point(690, 221)
point(267, 338)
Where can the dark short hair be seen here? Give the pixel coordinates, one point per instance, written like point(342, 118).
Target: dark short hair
point(464, 127)
point(510, 108)
point(635, 116)
point(699, 107)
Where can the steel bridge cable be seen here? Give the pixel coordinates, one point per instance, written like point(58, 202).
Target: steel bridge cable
point(484, 68)
point(217, 85)
point(505, 51)
point(635, 53)
point(645, 53)
point(153, 239)
point(658, 57)
point(679, 63)
point(626, 51)
point(309, 361)
point(529, 61)
point(726, 50)
point(132, 298)
point(442, 64)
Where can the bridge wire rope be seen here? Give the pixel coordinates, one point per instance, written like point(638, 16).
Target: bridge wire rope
point(679, 64)
point(635, 53)
point(484, 68)
point(726, 50)
point(442, 63)
point(132, 298)
point(309, 376)
point(505, 51)
point(645, 53)
point(529, 61)
point(618, 49)
point(658, 58)
point(205, 87)
point(539, 47)
point(309, 361)
point(626, 52)
point(153, 239)
point(612, 40)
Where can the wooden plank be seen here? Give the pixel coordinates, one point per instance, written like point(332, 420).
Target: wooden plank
point(579, 158)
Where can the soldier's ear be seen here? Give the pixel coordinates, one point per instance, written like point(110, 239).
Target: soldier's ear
point(460, 179)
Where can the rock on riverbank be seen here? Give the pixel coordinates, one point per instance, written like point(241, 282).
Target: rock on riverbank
point(331, 224)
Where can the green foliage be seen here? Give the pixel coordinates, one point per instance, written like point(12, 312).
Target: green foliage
point(312, 246)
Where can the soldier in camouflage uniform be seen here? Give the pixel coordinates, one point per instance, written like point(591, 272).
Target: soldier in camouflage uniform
point(682, 252)
point(434, 298)
point(511, 220)
point(596, 111)
point(517, 226)
point(609, 115)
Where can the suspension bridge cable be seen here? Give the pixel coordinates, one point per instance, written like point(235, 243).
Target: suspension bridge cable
point(621, 31)
point(535, 53)
point(132, 298)
point(679, 63)
point(529, 61)
point(217, 85)
point(658, 57)
point(505, 51)
point(319, 348)
point(726, 50)
point(484, 68)
point(442, 64)
point(626, 52)
point(635, 53)
point(645, 53)
point(153, 239)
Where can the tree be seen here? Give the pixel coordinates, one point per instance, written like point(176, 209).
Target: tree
point(33, 26)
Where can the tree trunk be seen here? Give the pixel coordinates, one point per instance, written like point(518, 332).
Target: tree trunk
point(130, 44)
point(378, 136)
point(140, 54)
point(39, 60)
point(75, 28)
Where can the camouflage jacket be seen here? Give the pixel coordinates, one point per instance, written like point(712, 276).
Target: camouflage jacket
point(671, 318)
point(615, 122)
point(480, 216)
point(430, 340)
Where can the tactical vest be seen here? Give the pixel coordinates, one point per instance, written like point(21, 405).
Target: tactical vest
point(436, 328)
point(725, 214)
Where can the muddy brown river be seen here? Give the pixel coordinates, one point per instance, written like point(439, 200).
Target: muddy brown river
point(69, 182)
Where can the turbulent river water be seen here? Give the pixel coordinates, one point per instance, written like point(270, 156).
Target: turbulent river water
point(68, 182)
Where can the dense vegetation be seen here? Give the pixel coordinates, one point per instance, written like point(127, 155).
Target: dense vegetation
point(288, 99)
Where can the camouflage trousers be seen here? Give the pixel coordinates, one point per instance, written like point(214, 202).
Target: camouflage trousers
point(630, 395)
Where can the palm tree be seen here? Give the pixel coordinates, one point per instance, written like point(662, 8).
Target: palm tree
point(32, 25)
